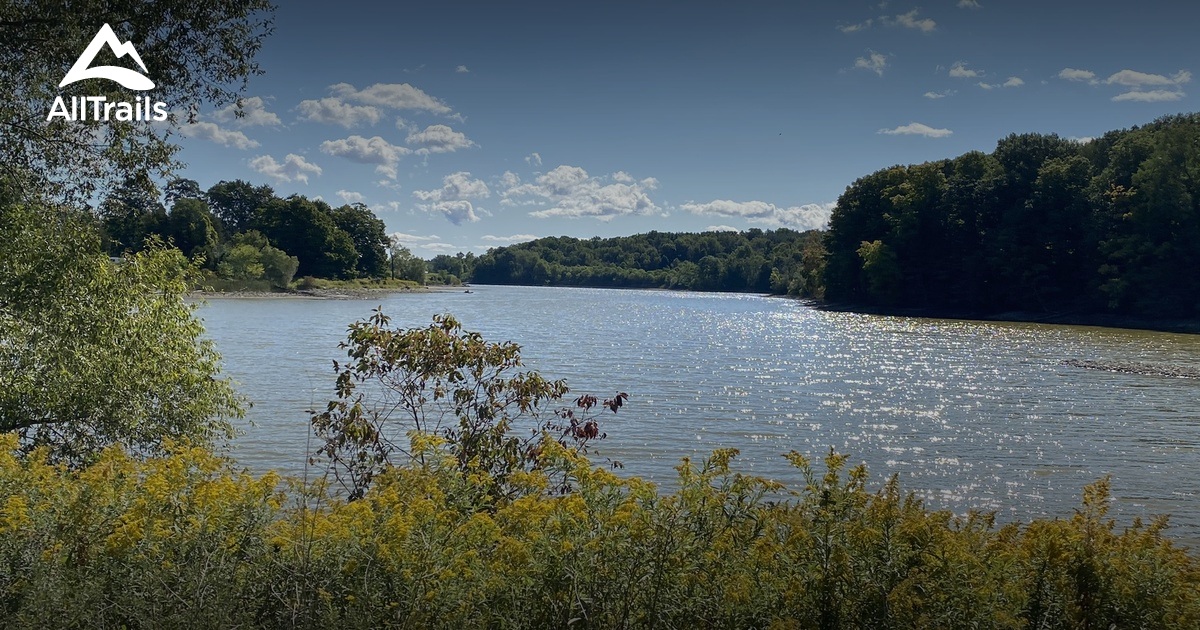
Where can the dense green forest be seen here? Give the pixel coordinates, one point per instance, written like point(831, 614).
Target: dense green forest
point(242, 232)
point(780, 261)
point(1040, 224)
point(1043, 224)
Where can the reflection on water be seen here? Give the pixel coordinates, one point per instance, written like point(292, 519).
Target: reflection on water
point(969, 414)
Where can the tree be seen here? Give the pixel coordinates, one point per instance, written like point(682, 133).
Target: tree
point(94, 353)
point(238, 204)
point(306, 229)
point(369, 236)
point(195, 52)
point(400, 385)
point(190, 228)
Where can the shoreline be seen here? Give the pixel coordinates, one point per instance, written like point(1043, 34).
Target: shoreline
point(340, 293)
point(1064, 318)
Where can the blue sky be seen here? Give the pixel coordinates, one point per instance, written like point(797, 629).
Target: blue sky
point(470, 125)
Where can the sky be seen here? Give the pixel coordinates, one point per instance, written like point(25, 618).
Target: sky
point(467, 125)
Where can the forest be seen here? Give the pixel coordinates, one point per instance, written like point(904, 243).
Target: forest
point(1041, 224)
point(241, 233)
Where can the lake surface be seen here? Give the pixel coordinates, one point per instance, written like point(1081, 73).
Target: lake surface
point(969, 414)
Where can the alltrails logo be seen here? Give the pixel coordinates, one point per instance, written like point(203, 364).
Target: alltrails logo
point(99, 107)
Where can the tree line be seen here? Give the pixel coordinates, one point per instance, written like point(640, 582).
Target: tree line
point(779, 261)
point(240, 231)
point(1042, 223)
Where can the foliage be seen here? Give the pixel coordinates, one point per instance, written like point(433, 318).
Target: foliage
point(197, 52)
point(93, 352)
point(1041, 224)
point(781, 261)
point(183, 540)
point(447, 382)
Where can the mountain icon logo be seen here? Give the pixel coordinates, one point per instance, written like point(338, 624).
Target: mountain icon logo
point(126, 77)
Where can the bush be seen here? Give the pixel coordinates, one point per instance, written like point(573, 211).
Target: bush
point(183, 540)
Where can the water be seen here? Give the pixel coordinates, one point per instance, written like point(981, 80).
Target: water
point(969, 414)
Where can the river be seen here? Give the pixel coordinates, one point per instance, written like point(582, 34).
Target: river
point(968, 414)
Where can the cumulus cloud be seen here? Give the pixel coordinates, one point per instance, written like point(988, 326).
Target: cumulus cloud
point(960, 71)
point(438, 139)
point(391, 96)
point(1151, 96)
point(462, 69)
point(214, 133)
point(1135, 79)
point(508, 240)
point(916, 129)
point(253, 113)
point(1074, 74)
point(812, 216)
point(534, 159)
point(509, 180)
point(375, 150)
point(349, 196)
point(453, 199)
point(937, 95)
point(1010, 83)
point(568, 191)
point(854, 28)
point(333, 111)
point(721, 228)
point(910, 20)
point(293, 169)
point(874, 62)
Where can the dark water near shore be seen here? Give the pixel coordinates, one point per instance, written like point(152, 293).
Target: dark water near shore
point(969, 414)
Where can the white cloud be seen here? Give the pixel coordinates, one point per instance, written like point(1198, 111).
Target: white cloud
point(534, 159)
point(443, 248)
point(910, 20)
point(214, 133)
point(960, 71)
point(1153, 96)
point(969, 4)
point(401, 237)
point(1010, 83)
point(392, 96)
point(293, 169)
point(1135, 79)
point(374, 150)
point(1073, 74)
point(254, 113)
point(349, 196)
point(456, 186)
point(515, 238)
point(721, 228)
point(333, 111)
point(874, 62)
point(509, 180)
point(1081, 139)
point(462, 69)
point(439, 139)
point(452, 200)
point(568, 191)
point(456, 212)
point(813, 216)
point(854, 28)
point(916, 129)
point(936, 95)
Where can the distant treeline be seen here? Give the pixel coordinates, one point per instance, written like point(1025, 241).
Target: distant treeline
point(243, 232)
point(755, 260)
point(1042, 223)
